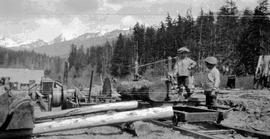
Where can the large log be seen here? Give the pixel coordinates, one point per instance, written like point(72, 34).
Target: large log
point(118, 106)
point(143, 90)
point(101, 120)
point(134, 90)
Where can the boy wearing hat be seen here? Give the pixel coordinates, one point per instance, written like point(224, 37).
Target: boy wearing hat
point(182, 69)
point(211, 82)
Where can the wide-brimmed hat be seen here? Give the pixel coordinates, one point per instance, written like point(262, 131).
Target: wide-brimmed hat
point(211, 60)
point(183, 49)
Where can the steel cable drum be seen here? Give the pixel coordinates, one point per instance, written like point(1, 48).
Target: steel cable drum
point(57, 98)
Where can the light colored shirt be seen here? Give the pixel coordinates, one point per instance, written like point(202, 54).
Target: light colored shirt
point(182, 66)
point(211, 79)
point(265, 69)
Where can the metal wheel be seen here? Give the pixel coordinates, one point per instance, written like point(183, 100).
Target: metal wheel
point(64, 100)
point(56, 98)
point(175, 120)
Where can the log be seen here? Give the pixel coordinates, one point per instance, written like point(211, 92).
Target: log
point(232, 91)
point(101, 120)
point(118, 106)
point(134, 90)
point(127, 86)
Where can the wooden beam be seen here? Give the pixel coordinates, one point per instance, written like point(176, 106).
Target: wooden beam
point(118, 106)
point(216, 132)
point(260, 135)
point(101, 120)
point(185, 131)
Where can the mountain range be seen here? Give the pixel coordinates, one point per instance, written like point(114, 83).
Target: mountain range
point(61, 46)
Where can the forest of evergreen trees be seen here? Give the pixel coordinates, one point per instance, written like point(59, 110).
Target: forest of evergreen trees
point(236, 37)
point(53, 66)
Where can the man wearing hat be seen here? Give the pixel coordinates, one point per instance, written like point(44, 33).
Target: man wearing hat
point(182, 69)
point(211, 82)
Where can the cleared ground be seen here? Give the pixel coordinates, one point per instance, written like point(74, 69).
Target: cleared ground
point(253, 113)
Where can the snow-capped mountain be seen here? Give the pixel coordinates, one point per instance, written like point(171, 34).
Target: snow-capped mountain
point(87, 40)
point(29, 45)
point(58, 39)
point(37, 43)
point(60, 46)
point(88, 35)
point(7, 42)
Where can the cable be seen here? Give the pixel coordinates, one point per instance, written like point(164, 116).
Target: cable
point(155, 62)
point(235, 15)
point(142, 14)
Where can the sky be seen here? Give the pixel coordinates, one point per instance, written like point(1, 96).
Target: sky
point(27, 20)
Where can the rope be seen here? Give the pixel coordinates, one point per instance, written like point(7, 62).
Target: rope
point(155, 62)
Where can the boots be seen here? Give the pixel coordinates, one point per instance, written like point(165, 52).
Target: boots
point(188, 94)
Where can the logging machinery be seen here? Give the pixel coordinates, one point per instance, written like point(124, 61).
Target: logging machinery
point(56, 94)
point(53, 89)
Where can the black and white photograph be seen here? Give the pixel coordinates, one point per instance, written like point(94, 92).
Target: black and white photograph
point(134, 69)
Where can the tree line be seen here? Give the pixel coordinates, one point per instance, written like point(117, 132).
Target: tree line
point(52, 66)
point(236, 38)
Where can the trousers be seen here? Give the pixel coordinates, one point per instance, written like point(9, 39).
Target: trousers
point(183, 80)
point(211, 99)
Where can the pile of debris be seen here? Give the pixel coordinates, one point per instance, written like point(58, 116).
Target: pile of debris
point(254, 110)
